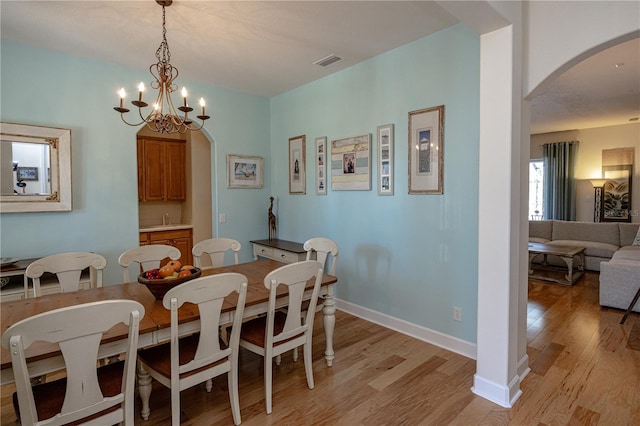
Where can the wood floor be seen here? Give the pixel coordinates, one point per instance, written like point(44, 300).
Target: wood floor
point(585, 370)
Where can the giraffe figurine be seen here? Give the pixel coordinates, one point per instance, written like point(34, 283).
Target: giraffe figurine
point(272, 221)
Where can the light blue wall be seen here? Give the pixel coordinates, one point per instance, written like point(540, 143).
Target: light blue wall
point(52, 89)
point(413, 257)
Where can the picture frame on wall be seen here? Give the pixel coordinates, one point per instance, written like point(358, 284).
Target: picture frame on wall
point(245, 171)
point(27, 173)
point(321, 165)
point(385, 159)
point(297, 170)
point(426, 150)
point(351, 163)
point(616, 193)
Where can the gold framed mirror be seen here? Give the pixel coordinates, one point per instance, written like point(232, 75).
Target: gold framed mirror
point(35, 168)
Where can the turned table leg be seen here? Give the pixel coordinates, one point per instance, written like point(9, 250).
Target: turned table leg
point(329, 321)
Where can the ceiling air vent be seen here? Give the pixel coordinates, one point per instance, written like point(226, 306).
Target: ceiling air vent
point(325, 62)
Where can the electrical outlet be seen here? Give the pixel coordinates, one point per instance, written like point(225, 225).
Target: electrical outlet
point(457, 313)
point(222, 218)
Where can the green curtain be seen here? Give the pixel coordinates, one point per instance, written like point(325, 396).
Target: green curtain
point(559, 180)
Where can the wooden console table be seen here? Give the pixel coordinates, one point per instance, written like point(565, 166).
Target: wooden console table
point(280, 250)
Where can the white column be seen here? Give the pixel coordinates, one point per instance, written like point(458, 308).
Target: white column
point(496, 377)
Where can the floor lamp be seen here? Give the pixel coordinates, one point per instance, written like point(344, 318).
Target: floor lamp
point(597, 198)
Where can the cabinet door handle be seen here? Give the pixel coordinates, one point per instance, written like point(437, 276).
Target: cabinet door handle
point(283, 255)
point(262, 250)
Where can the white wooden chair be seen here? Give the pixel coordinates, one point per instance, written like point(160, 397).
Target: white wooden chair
point(105, 394)
point(216, 249)
point(149, 257)
point(68, 268)
point(326, 250)
point(281, 331)
point(186, 362)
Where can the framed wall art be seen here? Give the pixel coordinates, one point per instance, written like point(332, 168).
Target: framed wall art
point(245, 171)
point(385, 159)
point(351, 163)
point(426, 150)
point(321, 165)
point(616, 193)
point(297, 170)
point(27, 173)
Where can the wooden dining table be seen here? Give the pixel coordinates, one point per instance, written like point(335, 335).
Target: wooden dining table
point(155, 326)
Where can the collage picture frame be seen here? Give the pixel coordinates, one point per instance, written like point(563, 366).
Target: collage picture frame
point(385, 159)
point(321, 165)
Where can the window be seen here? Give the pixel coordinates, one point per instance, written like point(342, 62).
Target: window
point(536, 180)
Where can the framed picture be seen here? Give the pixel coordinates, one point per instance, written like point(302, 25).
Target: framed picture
point(297, 171)
point(351, 163)
point(321, 165)
point(426, 150)
point(385, 159)
point(245, 171)
point(27, 173)
point(616, 193)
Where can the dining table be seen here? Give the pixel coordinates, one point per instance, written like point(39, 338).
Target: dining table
point(155, 326)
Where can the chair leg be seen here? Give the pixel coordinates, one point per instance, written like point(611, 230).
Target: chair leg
point(295, 354)
point(308, 364)
point(268, 372)
point(232, 380)
point(208, 385)
point(278, 359)
point(175, 406)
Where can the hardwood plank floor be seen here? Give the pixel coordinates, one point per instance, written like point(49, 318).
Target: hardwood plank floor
point(585, 370)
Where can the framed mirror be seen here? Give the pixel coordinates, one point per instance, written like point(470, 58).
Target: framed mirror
point(35, 168)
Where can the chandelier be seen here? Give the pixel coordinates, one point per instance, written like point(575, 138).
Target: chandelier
point(163, 117)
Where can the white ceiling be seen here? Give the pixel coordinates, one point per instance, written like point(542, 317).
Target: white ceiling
point(268, 47)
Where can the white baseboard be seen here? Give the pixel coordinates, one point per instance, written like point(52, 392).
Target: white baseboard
point(444, 341)
point(505, 396)
point(523, 367)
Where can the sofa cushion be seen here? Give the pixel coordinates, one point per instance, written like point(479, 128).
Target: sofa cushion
point(629, 232)
point(592, 248)
point(598, 232)
point(540, 229)
point(628, 253)
point(538, 240)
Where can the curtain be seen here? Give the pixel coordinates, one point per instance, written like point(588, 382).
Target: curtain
point(559, 180)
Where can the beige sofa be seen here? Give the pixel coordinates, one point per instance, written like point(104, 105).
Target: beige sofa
point(608, 248)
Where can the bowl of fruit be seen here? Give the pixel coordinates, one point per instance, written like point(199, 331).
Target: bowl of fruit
point(159, 281)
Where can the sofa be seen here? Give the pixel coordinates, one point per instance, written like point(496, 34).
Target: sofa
point(611, 248)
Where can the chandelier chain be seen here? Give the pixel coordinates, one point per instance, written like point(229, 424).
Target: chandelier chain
point(164, 46)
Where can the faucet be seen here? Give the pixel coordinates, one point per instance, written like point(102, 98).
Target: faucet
point(165, 218)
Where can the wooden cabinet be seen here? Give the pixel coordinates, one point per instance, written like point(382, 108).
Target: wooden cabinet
point(161, 169)
point(182, 239)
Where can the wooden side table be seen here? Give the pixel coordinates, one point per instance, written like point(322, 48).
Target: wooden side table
point(280, 250)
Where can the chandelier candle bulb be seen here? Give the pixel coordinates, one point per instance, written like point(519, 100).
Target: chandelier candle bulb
point(122, 94)
point(140, 90)
point(201, 106)
point(184, 95)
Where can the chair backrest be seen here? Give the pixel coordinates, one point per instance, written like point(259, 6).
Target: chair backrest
point(148, 257)
point(68, 268)
point(208, 294)
point(78, 331)
point(323, 247)
point(295, 277)
point(216, 249)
